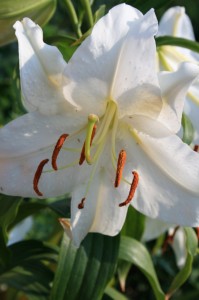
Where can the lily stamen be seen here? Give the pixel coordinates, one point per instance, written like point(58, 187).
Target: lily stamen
point(81, 204)
point(196, 148)
point(57, 149)
point(38, 175)
point(132, 189)
point(120, 166)
point(82, 155)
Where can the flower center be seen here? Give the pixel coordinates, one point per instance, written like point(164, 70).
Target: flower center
point(97, 132)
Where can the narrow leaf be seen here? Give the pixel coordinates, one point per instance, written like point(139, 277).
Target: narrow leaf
point(191, 247)
point(134, 252)
point(176, 41)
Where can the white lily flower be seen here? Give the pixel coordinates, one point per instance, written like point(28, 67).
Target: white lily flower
point(135, 154)
point(154, 228)
point(175, 22)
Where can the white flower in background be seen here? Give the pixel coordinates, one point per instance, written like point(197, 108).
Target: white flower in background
point(154, 228)
point(19, 232)
point(107, 124)
point(176, 23)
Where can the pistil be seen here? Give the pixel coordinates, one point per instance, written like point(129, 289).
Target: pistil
point(82, 155)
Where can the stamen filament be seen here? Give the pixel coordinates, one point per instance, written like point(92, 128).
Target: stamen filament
point(92, 119)
point(132, 189)
point(81, 204)
point(38, 175)
point(120, 166)
point(82, 155)
point(57, 149)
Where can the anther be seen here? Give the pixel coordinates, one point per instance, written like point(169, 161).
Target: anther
point(132, 189)
point(38, 175)
point(196, 148)
point(57, 149)
point(82, 156)
point(81, 204)
point(120, 166)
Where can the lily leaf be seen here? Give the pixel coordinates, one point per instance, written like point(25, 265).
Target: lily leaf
point(8, 210)
point(191, 247)
point(176, 41)
point(188, 130)
point(134, 252)
point(83, 273)
point(39, 11)
point(134, 224)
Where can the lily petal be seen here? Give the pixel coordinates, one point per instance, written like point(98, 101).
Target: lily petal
point(95, 72)
point(101, 212)
point(174, 87)
point(34, 132)
point(169, 170)
point(175, 22)
point(30, 139)
point(41, 81)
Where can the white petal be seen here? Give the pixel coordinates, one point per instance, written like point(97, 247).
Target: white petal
point(25, 143)
point(175, 22)
point(107, 65)
point(179, 247)
point(192, 109)
point(41, 68)
point(168, 187)
point(101, 212)
point(154, 228)
point(33, 132)
point(174, 87)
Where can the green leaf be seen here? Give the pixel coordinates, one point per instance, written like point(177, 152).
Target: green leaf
point(191, 247)
point(134, 252)
point(114, 294)
point(176, 41)
point(39, 11)
point(123, 269)
point(188, 130)
point(83, 273)
point(134, 224)
point(99, 13)
point(8, 210)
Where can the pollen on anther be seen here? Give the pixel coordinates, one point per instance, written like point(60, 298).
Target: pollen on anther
point(133, 188)
point(82, 155)
point(81, 204)
point(57, 149)
point(120, 166)
point(38, 175)
point(196, 148)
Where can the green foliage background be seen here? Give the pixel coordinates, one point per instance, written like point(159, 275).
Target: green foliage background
point(123, 268)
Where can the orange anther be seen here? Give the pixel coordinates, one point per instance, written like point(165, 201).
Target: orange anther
point(38, 175)
point(196, 148)
point(82, 155)
point(120, 166)
point(81, 204)
point(133, 187)
point(57, 149)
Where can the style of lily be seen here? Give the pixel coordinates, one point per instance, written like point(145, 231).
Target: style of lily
point(102, 127)
point(175, 22)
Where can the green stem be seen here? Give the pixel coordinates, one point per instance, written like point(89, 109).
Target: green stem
point(88, 11)
point(73, 17)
